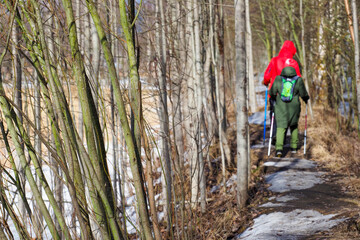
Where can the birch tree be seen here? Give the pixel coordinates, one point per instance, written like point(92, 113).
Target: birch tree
point(177, 82)
point(240, 102)
point(304, 62)
point(191, 110)
point(198, 188)
point(249, 60)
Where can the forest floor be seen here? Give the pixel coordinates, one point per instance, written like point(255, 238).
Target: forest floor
point(320, 198)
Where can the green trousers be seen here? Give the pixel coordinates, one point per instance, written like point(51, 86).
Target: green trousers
point(280, 137)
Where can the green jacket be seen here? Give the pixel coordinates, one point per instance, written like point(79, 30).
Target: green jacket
point(288, 113)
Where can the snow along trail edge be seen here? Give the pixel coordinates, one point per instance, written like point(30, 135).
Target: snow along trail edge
point(306, 201)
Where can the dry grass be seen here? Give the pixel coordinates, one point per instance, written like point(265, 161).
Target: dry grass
point(336, 147)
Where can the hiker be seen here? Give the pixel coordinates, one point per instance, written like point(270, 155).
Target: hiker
point(276, 65)
point(285, 58)
point(285, 91)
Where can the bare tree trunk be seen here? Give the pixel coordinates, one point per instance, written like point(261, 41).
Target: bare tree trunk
point(95, 59)
point(78, 22)
point(351, 29)
point(199, 81)
point(249, 56)
point(220, 53)
point(177, 106)
point(304, 73)
point(17, 79)
point(58, 185)
point(240, 102)
point(215, 57)
point(206, 18)
point(122, 149)
point(357, 57)
point(209, 108)
point(176, 85)
point(87, 41)
point(80, 27)
point(111, 19)
point(163, 112)
point(321, 50)
point(37, 117)
point(190, 113)
point(136, 107)
point(37, 142)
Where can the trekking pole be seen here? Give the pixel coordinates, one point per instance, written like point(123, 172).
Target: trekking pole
point(266, 93)
point(305, 129)
point(271, 131)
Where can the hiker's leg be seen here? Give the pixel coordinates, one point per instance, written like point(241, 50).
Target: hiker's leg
point(280, 136)
point(272, 109)
point(294, 136)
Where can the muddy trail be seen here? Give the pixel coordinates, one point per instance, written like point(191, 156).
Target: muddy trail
point(306, 199)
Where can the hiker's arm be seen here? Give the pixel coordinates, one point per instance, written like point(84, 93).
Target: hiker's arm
point(273, 89)
point(268, 73)
point(302, 91)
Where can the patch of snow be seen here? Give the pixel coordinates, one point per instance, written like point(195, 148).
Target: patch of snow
point(161, 216)
point(157, 181)
point(215, 160)
point(280, 201)
point(214, 189)
point(295, 163)
point(258, 146)
point(346, 95)
point(131, 200)
point(286, 198)
point(260, 88)
point(293, 180)
point(258, 118)
point(231, 180)
point(157, 197)
point(131, 219)
point(279, 225)
point(270, 204)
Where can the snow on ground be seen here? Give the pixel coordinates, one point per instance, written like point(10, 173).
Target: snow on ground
point(271, 205)
point(297, 163)
point(258, 118)
point(291, 218)
point(291, 225)
point(229, 183)
point(293, 180)
point(286, 198)
point(280, 201)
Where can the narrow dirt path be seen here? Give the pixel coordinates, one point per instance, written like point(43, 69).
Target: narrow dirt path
point(307, 203)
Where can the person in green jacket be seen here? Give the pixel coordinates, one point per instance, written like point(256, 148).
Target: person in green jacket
point(286, 90)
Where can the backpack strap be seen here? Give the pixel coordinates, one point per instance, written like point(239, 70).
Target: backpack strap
point(295, 77)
